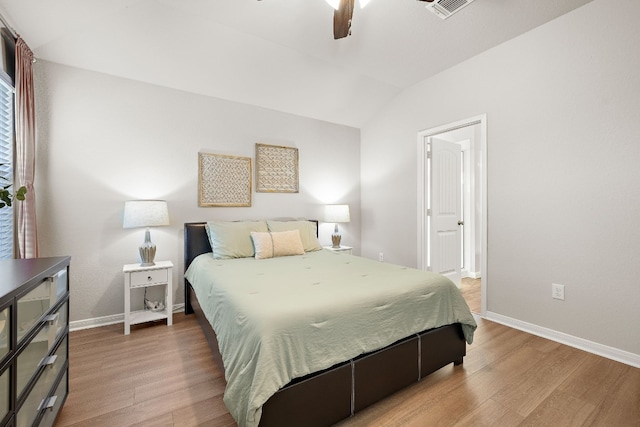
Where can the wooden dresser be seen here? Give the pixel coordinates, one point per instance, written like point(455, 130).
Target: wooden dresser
point(34, 345)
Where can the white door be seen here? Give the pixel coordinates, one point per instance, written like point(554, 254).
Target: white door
point(445, 209)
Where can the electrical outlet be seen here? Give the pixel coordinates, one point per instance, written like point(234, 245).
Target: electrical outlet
point(557, 291)
point(381, 257)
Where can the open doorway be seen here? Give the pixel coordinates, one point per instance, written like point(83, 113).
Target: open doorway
point(452, 208)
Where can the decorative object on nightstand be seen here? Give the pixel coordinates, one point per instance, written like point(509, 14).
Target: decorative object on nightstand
point(146, 213)
point(137, 276)
point(336, 214)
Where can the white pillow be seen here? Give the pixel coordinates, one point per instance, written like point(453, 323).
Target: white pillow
point(308, 232)
point(270, 245)
point(232, 239)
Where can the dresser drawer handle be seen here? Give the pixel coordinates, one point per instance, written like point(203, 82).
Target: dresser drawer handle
point(149, 278)
point(49, 361)
point(48, 403)
point(52, 318)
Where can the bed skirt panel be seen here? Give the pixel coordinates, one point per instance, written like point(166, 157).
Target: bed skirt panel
point(379, 374)
point(441, 346)
point(320, 400)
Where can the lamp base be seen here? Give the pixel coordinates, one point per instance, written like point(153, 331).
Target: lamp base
point(147, 251)
point(335, 239)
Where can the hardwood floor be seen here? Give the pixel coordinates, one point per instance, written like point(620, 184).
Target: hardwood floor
point(470, 290)
point(157, 376)
point(165, 376)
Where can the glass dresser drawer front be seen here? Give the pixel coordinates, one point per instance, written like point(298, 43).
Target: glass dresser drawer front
point(61, 319)
point(4, 392)
point(53, 404)
point(5, 327)
point(53, 364)
point(61, 284)
point(33, 355)
point(32, 306)
point(32, 406)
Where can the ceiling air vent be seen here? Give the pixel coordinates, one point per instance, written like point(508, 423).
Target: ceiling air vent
point(445, 8)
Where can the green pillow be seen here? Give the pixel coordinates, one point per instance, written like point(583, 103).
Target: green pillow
point(232, 239)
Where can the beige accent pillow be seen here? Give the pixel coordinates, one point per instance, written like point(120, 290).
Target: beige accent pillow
point(270, 245)
point(232, 239)
point(308, 232)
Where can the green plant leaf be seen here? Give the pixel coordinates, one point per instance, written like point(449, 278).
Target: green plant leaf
point(6, 197)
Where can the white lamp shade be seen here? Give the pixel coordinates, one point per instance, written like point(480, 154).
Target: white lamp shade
point(145, 213)
point(336, 213)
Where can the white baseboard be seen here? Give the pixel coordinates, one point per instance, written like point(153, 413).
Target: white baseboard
point(96, 322)
point(579, 343)
point(470, 274)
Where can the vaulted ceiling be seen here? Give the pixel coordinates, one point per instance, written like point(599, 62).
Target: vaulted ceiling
point(277, 54)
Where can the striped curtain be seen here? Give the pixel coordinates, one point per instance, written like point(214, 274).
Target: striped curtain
point(27, 235)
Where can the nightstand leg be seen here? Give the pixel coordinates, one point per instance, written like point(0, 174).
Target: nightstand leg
point(169, 298)
point(127, 305)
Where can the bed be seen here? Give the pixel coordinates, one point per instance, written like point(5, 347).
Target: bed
point(303, 365)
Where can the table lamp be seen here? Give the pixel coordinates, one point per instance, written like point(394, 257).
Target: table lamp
point(146, 213)
point(336, 214)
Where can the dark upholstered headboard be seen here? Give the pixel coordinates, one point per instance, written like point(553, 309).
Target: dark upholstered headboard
point(196, 242)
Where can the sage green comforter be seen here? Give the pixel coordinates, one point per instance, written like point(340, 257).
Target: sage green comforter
point(281, 318)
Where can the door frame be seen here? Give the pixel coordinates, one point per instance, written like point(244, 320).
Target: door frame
point(469, 200)
point(422, 202)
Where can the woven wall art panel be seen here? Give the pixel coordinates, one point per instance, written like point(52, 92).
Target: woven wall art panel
point(276, 169)
point(224, 180)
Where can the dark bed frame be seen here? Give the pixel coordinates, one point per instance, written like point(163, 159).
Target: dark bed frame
point(326, 397)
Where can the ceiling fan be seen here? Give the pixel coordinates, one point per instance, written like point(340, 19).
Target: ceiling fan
point(343, 14)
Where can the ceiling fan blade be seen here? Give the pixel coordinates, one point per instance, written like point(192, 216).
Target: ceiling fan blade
point(342, 19)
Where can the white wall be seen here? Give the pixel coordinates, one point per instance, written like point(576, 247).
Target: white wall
point(104, 140)
point(563, 110)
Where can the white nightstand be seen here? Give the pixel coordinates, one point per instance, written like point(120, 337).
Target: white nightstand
point(341, 249)
point(136, 276)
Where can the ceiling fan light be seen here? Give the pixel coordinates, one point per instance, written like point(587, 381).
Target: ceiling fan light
point(334, 4)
